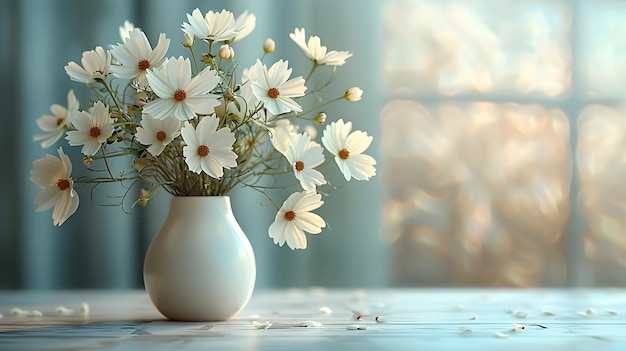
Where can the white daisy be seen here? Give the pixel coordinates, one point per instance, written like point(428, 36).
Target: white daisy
point(180, 96)
point(316, 52)
point(95, 66)
point(274, 88)
point(208, 149)
point(157, 133)
point(304, 155)
point(347, 148)
point(136, 55)
point(54, 126)
point(53, 176)
point(213, 26)
point(92, 130)
point(295, 217)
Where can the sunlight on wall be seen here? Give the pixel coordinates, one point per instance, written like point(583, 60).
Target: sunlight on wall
point(503, 140)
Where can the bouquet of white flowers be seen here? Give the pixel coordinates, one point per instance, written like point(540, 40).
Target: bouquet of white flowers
point(198, 126)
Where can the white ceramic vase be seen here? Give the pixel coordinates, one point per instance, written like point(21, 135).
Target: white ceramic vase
point(200, 265)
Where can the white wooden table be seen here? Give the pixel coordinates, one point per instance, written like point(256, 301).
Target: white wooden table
point(318, 319)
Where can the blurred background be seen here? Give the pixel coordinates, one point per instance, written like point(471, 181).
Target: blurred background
point(499, 129)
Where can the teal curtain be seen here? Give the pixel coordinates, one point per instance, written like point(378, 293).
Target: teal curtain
point(103, 247)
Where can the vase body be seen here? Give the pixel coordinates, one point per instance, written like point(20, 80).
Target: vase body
point(200, 265)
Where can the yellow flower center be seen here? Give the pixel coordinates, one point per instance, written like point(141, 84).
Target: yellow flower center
point(273, 93)
point(63, 184)
point(94, 132)
point(180, 95)
point(344, 154)
point(143, 64)
point(290, 216)
point(160, 135)
point(299, 165)
point(203, 150)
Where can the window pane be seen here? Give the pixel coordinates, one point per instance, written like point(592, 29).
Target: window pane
point(601, 201)
point(477, 46)
point(477, 193)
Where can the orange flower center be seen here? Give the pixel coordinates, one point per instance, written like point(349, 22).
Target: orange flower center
point(63, 184)
point(180, 95)
point(94, 132)
point(299, 165)
point(273, 93)
point(203, 150)
point(160, 135)
point(290, 216)
point(344, 154)
point(143, 64)
point(60, 121)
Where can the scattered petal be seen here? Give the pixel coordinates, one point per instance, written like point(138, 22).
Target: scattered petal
point(84, 308)
point(326, 311)
point(262, 325)
point(37, 314)
point(591, 311)
point(19, 312)
point(517, 327)
point(583, 313)
point(356, 327)
point(309, 324)
point(465, 330)
point(521, 314)
point(474, 318)
point(380, 319)
point(64, 310)
point(254, 316)
point(611, 312)
point(548, 313)
point(501, 335)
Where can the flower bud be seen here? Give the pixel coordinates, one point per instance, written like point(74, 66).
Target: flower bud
point(225, 52)
point(140, 163)
point(87, 161)
point(144, 197)
point(188, 40)
point(269, 46)
point(353, 94)
point(320, 118)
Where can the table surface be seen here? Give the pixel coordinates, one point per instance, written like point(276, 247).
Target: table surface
point(317, 319)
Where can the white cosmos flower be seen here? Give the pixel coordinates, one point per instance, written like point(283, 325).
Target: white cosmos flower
point(125, 30)
point(92, 130)
point(136, 55)
point(314, 50)
point(208, 149)
point(274, 88)
point(95, 66)
point(213, 26)
point(181, 96)
point(347, 148)
point(304, 155)
point(157, 132)
point(54, 125)
point(53, 176)
point(295, 217)
point(246, 23)
point(282, 135)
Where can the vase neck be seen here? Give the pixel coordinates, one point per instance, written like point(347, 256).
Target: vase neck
point(199, 205)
